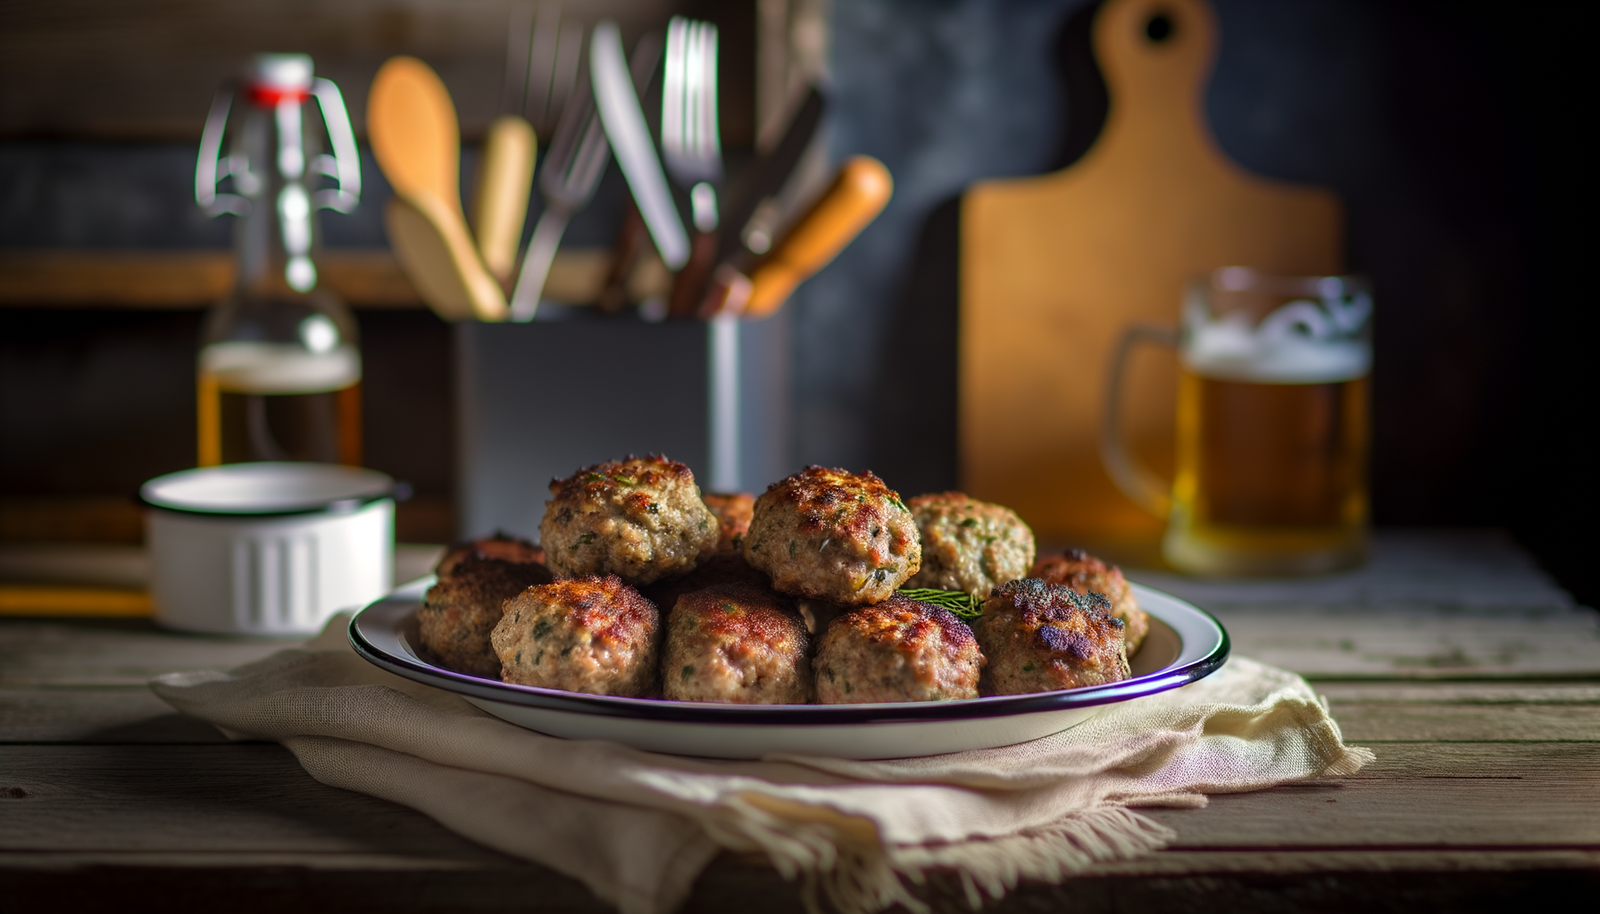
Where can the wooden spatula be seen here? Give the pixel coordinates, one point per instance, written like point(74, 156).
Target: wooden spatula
point(504, 183)
point(432, 243)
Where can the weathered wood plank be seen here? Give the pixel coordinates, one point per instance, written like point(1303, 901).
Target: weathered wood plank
point(1466, 723)
point(1365, 711)
point(1463, 568)
point(1462, 693)
point(1168, 862)
point(252, 797)
point(255, 798)
point(116, 714)
point(1419, 642)
point(115, 652)
point(1195, 881)
point(1467, 761)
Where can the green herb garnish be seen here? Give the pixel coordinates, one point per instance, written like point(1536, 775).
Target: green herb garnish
point(964, 605)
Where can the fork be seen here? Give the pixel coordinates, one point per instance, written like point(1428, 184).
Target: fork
point(552, 67)
point(691, 148)
point(578, 156)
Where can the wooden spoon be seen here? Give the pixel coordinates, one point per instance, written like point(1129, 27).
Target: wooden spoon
point(411, 124)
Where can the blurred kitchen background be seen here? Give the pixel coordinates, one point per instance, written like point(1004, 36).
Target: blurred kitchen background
point(1443, 126)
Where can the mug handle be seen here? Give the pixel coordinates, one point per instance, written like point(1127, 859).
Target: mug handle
point(1135, 480)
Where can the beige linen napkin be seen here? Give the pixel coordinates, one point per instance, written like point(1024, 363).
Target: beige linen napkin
point(638, 827)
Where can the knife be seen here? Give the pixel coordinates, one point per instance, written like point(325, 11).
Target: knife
point(764, 179)
point(859, 192)
point(631, 237)
point(630, 142)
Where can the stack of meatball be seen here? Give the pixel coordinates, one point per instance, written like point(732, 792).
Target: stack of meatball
point(645, 588)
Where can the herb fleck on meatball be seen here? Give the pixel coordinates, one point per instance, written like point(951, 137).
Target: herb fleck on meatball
point(593, 634)
point(969, 545)
point(833, 535)
point(460, 611)
point(1040, 637)
point(640, 519)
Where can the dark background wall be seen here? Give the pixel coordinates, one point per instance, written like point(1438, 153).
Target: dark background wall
point(1446, 127)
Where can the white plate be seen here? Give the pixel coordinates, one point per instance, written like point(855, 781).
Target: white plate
point(1184, 644)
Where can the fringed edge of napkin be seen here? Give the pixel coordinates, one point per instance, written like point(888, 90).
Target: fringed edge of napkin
point(859, 876)
point(1348, 762)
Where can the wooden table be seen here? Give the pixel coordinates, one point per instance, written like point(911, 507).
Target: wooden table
point(1472, 676)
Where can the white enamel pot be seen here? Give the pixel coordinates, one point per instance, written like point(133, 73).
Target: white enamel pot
point(267, 548)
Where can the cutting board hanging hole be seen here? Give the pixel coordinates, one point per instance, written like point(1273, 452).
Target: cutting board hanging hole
point(1159, 28)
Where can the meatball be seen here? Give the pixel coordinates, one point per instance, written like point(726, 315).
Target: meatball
point(720, 568)
point(737, 643)
point(834, 536)
point(501, 545)
point(897, 650)
point(593, 634)
point(1086, 574)
point(1039, 637)
point(969, 545)
point(732, 511)
point(460, 611)
point(640, 519)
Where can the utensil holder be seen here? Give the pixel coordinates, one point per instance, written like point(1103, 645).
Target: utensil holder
point(537, 401)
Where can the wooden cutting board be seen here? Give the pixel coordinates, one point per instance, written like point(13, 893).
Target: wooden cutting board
point(1054, 267)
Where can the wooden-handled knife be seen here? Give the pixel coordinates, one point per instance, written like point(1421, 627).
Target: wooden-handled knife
point(857, 195)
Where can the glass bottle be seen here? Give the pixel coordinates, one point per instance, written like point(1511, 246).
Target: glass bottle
point(279, 374)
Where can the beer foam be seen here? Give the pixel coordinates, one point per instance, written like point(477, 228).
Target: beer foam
point(280, 368)
point(1229, 350)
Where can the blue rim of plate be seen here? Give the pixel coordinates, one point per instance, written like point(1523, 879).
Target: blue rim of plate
point(377, 626)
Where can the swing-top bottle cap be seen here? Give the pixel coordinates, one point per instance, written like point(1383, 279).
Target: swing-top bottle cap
point(275, 78)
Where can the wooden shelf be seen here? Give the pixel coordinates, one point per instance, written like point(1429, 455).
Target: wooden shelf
point(196, 279)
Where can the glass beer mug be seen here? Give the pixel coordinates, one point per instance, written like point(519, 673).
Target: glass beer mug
point(1272, 425)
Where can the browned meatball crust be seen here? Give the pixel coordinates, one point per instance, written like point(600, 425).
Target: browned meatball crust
point(1086, 574)
point(1040, 637)
point(969, 545)
point(897, 650)
point(640, 519)
point(833, 535)
point(460, 611)
point(720, 568)
point(593, 634)
point(500, 545)
point(732, 511)
point(736, 643)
